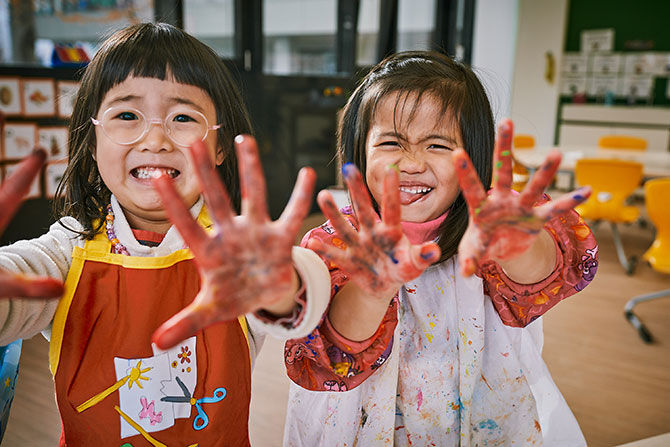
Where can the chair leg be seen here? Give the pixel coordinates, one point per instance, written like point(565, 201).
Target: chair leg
point(628, 264)
point(634, 320)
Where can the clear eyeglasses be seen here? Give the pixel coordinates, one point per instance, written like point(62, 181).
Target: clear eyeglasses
point(126, 125)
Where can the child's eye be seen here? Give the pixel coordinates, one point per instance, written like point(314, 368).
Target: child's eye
point(127, 116)
point(184, 118)
point(440, 147)
point(389, 144)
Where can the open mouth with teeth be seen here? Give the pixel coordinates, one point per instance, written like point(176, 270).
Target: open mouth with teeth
point(149, 172)
point(410, 194)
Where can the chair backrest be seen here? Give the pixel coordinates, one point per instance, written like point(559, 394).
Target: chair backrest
point(612, 181)
point(656, 193)
point(9, 370)
point(523, 141)
point(622, 142)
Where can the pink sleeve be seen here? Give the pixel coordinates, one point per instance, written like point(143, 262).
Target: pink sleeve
point(325, 360)
point(520, 304)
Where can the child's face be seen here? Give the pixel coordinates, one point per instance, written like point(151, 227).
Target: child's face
point(420, 148)
point(127, 169)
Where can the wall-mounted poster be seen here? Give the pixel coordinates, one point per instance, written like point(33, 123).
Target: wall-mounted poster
point(39, 97)
point(573, 63)
point(638, 87)
point(597, 40)
point(600, 84)
point(66, 93)
point(606, 64)
point(54, 141)
point(53, 173)
point(10, 96)
point(18, 140)
point(35, 190)
point(572, 84)
point(640, 63)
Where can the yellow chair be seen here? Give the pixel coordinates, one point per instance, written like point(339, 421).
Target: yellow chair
point(612, 181)
point(656, 193)
point(520, 173)
point(622, 142)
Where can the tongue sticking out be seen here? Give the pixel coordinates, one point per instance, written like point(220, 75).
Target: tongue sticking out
point(412, 194)
point(146, 172)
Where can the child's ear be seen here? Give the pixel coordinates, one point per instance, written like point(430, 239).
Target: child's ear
point(220, 156)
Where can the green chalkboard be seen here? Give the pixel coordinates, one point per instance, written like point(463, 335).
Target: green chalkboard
point(642, 21)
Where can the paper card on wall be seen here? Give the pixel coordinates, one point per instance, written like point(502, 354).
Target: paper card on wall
point(640, 63)
point(599, 85)
point(54, 140)
point(638, 87)
point(34, 191)
point(140, 396)
point(606, 63)
point(19, 140)
point(66, 94)
point(183, 364)
point(39, 97)
point(597, 40)
point(53, 173)
point(10, 96)
point(662, 66)
point(574, 63)
point(572, 84)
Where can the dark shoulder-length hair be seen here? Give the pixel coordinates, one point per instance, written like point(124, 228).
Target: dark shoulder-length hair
point(459, 91)
point(154, 50)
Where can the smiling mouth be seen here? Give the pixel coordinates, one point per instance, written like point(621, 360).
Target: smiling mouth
point(146, 172)
point(410, 194)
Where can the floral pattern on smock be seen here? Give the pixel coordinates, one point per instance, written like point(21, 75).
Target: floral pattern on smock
point(326, 361)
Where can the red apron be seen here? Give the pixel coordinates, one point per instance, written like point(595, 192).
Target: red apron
point(113, 388)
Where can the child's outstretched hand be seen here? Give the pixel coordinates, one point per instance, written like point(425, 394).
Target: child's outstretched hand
point(245, 264)
point(11, 195)
point(503, 225)
point(378, 257)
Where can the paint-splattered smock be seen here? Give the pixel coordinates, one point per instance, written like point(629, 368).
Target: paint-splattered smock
point(455, 361)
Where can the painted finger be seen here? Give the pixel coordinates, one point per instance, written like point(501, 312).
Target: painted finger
point(17, 185)
point(213, 190)
point(342, 227)
point(471, 186)
point(502, 156)
point(424, 255)
point(179, 214)
point(300, 202)
point(252, 180)
point(29, 287)
point(564, 203)
point(360, 196)
point(391, 197)
point(335, 255)
point(541, 179)
point(470, 251)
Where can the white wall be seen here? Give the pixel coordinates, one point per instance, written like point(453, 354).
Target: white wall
point(535, 100)
point(494, 44)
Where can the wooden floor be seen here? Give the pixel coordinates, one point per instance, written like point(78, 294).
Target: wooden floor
point(618, 387)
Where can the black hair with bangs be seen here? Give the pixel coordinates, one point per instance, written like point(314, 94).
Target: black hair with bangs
point(457, 88)
point(154, 50)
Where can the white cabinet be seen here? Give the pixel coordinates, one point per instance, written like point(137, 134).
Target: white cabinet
point(584, 124)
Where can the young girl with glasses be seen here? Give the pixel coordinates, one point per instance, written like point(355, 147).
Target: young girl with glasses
point(146, 346)
point(414, 349)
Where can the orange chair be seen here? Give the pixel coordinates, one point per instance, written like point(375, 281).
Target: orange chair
point(612, 181)
point(622, 142)
point(520, 173)
point(656, 193)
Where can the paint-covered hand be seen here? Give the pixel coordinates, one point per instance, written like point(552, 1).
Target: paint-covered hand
point(12, 192)
point(378, 257)
point(503, 224)
point(245, 263)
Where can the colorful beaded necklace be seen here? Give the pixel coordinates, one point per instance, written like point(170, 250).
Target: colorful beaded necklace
point(117, 247)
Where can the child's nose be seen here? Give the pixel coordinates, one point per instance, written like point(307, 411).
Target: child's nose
point(412, 161)
point(156, 138)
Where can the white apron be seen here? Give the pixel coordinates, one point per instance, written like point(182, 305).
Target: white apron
point(455, 376)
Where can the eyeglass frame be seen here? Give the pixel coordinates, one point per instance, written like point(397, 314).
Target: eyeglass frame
point(152, 121)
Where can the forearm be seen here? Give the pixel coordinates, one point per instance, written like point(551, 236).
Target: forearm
point(533, 265)
point(355, 315)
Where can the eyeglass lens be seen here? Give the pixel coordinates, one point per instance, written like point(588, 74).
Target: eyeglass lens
point(125, 125)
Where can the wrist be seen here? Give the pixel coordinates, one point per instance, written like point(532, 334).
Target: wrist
point(534, 264)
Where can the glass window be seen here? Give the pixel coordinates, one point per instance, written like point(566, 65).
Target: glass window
point(368, 32)
point(212, 22)
point(416, 23)
point(299, 36)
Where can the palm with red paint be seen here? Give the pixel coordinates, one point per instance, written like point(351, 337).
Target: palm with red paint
point(378, 257)
point(12, 192)
point(504, 224)
point(245, 263)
